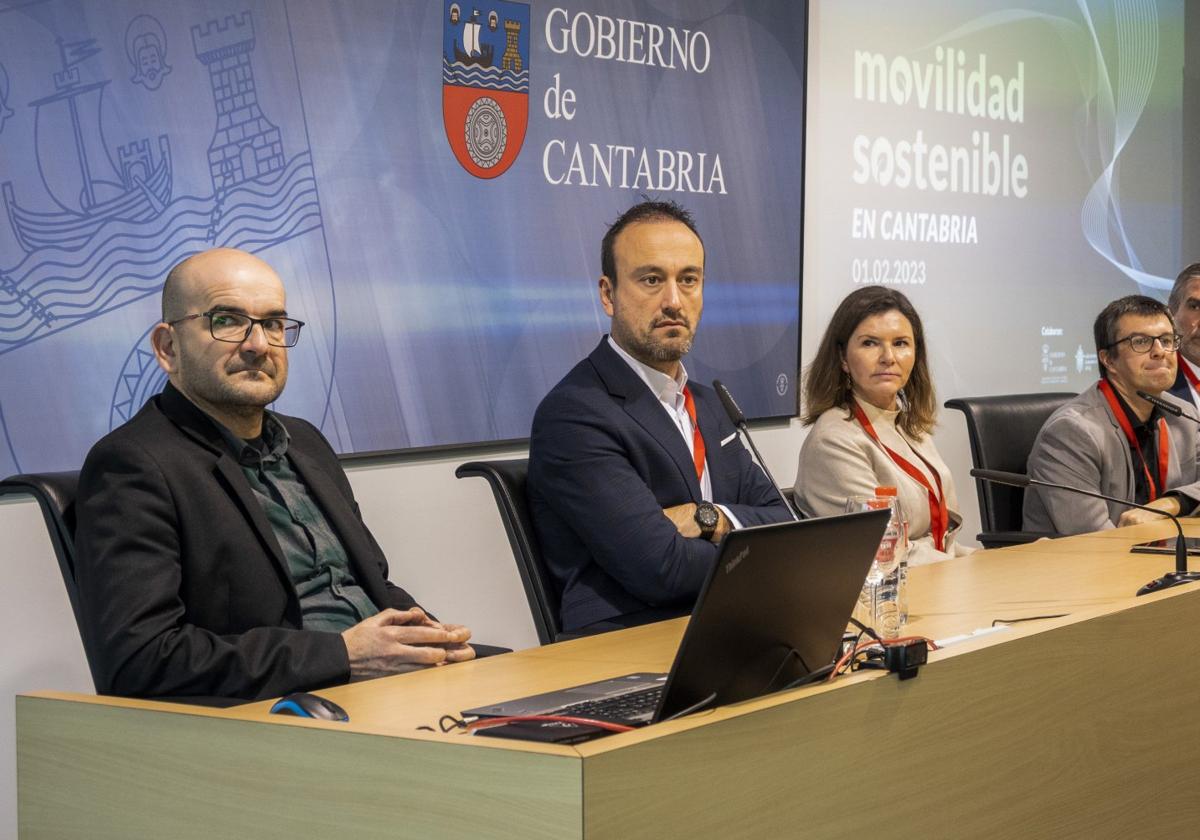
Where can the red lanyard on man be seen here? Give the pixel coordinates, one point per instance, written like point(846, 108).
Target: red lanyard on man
point(939, 517)
point(1164, 440)
point(697, 440)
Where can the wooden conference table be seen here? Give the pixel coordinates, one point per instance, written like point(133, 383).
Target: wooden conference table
point(1082, 726)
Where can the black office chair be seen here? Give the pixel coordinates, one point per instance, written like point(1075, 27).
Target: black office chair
point(1002, 430)
point(507, 479)
point(55, 494)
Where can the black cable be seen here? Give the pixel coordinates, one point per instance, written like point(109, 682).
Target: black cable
point(455, 723)
point(996, 621)
point(854, 647)
point(865, 629)
point(695, 707)
point(810, 677)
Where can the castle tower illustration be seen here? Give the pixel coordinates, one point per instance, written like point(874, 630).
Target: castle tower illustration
point(511, 60)
point(246, 144)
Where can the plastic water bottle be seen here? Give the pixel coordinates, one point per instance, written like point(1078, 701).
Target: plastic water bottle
point(888, 558)
point(882, 597)
point(902, 600)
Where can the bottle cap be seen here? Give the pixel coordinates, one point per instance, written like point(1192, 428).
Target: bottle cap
point(886, 491)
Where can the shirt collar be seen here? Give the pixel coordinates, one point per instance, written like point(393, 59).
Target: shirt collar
point(274, 435)
point(667, 389)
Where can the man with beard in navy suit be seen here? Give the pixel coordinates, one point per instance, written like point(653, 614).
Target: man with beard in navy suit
point(635, 474)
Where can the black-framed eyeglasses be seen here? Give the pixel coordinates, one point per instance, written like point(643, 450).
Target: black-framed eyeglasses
point(235, 327)
point(1141, 343)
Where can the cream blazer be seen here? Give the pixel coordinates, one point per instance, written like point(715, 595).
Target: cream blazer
point(839, 460)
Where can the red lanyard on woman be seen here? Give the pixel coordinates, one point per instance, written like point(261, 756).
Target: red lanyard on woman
point(939, 517)
point(1164, 440)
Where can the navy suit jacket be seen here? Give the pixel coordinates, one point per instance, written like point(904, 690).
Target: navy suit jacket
point(604, 460)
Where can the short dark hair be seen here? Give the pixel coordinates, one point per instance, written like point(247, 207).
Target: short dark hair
point(1176, 298)
point(1105, 329)
point(646, 211)
point(826, 386)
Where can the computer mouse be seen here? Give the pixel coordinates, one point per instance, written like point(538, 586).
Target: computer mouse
point(303, 704)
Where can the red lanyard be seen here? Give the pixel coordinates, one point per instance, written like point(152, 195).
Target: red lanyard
point(697, 439)
point(939, 517)
point(1164, 440)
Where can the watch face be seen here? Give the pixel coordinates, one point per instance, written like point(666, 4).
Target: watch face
point(707, 516)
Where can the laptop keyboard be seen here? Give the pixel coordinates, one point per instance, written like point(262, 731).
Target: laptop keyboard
point(634, 707)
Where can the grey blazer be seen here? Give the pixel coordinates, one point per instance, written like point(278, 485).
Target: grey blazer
point(1081, 445)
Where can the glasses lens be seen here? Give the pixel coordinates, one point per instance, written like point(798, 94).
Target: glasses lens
point(291, 332)
point(228, 326)
point(1172, 342)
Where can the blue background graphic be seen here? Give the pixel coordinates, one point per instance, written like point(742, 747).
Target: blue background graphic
point(440, 306)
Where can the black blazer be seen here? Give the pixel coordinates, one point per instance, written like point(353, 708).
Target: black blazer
point(604, 460)
point(183, 587)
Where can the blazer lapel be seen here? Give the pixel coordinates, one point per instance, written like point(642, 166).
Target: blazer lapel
point(199, 427)
point(709, 415)
point(1121, 443)
point(230, 474)
point(641, 405)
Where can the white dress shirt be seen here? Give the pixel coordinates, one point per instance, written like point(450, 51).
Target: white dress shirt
point(669, 393)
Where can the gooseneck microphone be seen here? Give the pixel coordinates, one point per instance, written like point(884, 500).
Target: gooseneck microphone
point(1170, 408)
point(739, 420)
point(1181, 573)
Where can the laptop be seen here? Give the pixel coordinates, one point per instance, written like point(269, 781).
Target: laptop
point(772, 611)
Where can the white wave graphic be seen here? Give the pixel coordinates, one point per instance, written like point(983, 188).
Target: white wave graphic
point(490, 77)
point(1117, 110)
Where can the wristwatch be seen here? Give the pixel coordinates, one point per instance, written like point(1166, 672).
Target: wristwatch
point(707, 517)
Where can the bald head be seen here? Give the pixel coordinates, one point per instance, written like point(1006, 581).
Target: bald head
point(229, 378)
point(187, 281)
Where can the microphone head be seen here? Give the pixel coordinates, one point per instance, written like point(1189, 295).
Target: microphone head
point(731, 406)
point(1001, 477)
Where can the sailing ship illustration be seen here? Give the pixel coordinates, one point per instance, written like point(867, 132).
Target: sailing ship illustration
point(472, 52)
point(134, 189)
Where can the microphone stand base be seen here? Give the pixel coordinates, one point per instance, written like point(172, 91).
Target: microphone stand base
point(1168, 580)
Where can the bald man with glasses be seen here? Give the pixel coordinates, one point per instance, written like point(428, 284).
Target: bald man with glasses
point(219, 547)
point(1110, 440)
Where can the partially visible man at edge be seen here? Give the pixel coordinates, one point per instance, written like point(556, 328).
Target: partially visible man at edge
point(1110, 440)
point(220, 549)
point(635, 473)
point(1184, 303)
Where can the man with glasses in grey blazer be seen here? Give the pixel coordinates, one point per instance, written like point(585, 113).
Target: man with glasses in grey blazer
point(1110, 440)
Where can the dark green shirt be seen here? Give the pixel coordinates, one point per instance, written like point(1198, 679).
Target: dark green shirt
point(330, 599)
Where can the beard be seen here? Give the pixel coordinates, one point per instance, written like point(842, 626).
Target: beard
point(235, 393)
point(647, 347)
